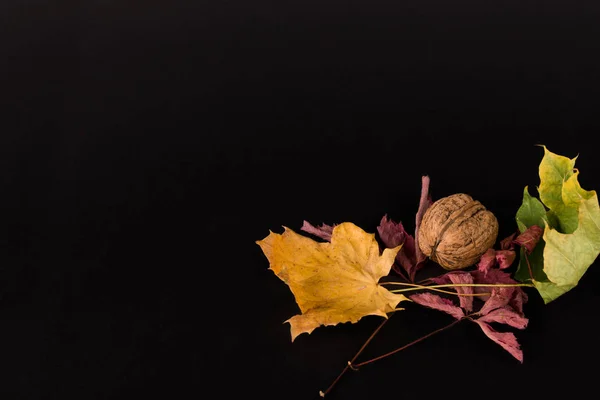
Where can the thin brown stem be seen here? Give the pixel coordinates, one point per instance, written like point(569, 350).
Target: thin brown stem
point(407, 345)
point(350, 363)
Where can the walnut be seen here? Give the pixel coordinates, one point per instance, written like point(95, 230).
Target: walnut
point(456, 231)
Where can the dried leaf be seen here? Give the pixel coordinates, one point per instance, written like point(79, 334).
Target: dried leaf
point(487, 261)
point(438, 303)
point(518, 299)
point(393, 234)
point(495, 276)
point(425, 202)
point(505, 258)
point(507, 242)
point(324, 231)
point(507, 340)
point(506, 315)
point(500, 297)
point(530, 238)
point(332, 282)
point(410, 257)
point(466, 302)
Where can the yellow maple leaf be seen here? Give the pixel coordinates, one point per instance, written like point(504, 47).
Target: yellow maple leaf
point(332, 282)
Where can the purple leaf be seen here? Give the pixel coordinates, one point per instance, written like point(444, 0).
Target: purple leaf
point(424, 203)
point(324, 231)
point(393, 234)
point(507, 243)
point(500, 297)
point(505, 258)
point(466, 302)
point(407, 257)
point(494, 276)
point(438, 303)
point(530, 238)
point(487, 261)
point(507, 340)
point(445, 278)
point(442, 279)
point(518, 299)
point(506, 316)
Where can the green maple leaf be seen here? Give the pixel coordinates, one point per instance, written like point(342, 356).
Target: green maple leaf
point(571, 222)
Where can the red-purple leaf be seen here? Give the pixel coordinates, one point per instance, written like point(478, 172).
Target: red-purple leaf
point(424, 202)
point(487, 261)
point(324, 231)
point(507, 340)
point(500, 297)
point(407, 256)
point(518, 299)
point(442, 279)
point(507, 243)
point(466, 302)
point(530, 238)
point(393, 234)
point(494, 276)
point(438, 303)
point(506, 315)
point(505, 258)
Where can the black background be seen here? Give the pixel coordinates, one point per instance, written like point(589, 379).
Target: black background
point(146, 146)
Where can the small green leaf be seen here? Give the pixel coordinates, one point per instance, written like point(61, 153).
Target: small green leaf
point(531, 212)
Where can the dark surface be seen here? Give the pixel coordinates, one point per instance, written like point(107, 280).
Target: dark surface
point(146, 146)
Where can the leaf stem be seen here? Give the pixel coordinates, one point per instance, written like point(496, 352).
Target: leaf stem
point(350, 363)
point(355, 366)
point(434, 287)
point(417, 287)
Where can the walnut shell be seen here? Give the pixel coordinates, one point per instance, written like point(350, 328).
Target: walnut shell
point(456, 231)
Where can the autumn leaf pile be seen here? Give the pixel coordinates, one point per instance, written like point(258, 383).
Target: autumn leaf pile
point(343, 275)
